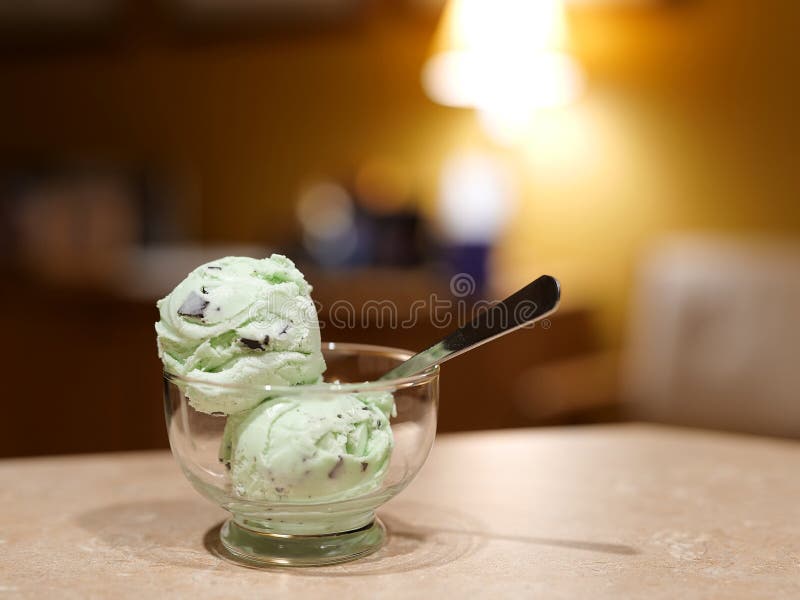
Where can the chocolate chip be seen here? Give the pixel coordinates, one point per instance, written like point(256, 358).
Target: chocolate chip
point(340, 416)
point(364, 408)
point(215, 268)
point(285, 329)
point(252, 344)
point(279, 490)
point(193, 306)
point(335, 470)
point(204, 290)
point(266, 340)
point(228, 465)
point(364, 466)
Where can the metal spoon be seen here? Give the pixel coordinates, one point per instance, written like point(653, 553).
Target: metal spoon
point(533, 302)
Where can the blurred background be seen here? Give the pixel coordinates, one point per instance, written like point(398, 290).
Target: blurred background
point(645, 152)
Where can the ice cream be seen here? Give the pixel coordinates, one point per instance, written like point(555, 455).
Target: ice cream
point(237, 324)
point(310, 448)
point(240, 321)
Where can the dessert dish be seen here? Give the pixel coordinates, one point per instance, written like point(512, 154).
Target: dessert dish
point(300, 463)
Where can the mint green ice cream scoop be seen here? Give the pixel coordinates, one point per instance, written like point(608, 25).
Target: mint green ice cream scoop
point(310, 448)
point(239, 321)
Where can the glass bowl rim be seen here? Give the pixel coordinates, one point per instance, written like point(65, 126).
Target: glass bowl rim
point(384, 385)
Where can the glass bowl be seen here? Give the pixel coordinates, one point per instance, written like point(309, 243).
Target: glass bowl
point(292, 499)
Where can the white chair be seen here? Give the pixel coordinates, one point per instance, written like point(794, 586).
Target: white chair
point(714, 337)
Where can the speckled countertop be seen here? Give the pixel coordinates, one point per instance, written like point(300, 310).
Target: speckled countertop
point(597, 512)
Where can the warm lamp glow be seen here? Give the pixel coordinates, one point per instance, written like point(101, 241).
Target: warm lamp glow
point(501, 27)
point(505, 58)
point(539, 80)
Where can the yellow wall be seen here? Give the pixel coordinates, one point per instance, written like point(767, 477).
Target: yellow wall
point(690, 123)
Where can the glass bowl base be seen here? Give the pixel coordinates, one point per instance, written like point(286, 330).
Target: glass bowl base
point(260, 549)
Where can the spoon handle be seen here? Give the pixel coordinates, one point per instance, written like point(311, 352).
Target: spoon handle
point(533, 302)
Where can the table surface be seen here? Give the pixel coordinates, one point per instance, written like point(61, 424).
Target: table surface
point(600, 512)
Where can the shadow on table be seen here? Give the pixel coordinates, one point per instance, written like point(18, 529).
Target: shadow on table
point(168, 533)
point(161, 532)
point(430, 523)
